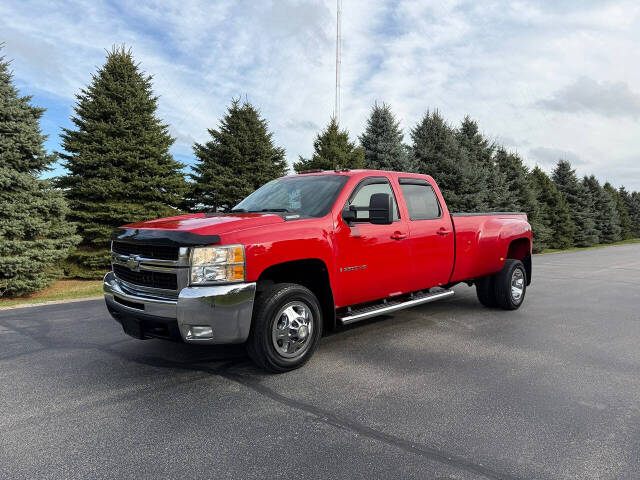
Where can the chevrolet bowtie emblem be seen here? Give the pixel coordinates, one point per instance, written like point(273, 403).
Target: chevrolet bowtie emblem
point(133, 262)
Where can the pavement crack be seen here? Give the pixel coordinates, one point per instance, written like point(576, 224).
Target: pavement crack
point(322, 415)
point(344, 423)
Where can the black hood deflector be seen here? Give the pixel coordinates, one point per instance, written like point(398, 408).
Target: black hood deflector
point(165, 238)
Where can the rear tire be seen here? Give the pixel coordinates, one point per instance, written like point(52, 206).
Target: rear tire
point(511, 285)
point(285, 328)
point(485, 290)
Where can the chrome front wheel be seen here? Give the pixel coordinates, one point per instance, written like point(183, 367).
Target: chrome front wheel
point(292, 329)
point(286, 327)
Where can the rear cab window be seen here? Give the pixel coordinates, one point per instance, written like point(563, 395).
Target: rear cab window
point(420, 197)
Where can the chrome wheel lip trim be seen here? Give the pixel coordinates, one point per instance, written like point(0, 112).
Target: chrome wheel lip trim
point(517, 285)
point(287, 322)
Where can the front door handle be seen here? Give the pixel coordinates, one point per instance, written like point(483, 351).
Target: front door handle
point(398, 235)
point(443, 231)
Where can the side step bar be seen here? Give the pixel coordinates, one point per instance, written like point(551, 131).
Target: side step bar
point(389, 307)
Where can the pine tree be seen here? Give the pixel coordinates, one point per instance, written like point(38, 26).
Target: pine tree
point(34, 234)
point(635, 213)
point(120, 168)
point(499, 198)
point(554, 212)
point(332, 149)
point(239, 158)
point(410, 161)
point(626, 225)
point(437, 152)
point(516, 174)
point(481, 153)
point(580, 201)
point(382, 141)
point(606, 213)
point(627, 200)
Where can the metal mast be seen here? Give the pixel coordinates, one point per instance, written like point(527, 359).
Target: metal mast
point(336, 110)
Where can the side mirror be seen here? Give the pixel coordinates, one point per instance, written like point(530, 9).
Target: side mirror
point(349, 215)
point(381, 209)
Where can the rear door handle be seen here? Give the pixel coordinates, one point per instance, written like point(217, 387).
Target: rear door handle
point(398, 235)
point(443, 231)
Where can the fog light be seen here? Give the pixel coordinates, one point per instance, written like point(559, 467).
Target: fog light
point(199, 332)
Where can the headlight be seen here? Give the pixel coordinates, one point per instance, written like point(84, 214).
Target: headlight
point(217, 264)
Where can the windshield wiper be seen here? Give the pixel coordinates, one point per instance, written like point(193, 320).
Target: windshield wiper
point(271, 210)
point(238, 210)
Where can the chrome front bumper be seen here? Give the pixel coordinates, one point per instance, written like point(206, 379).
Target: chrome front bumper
point(227, 309)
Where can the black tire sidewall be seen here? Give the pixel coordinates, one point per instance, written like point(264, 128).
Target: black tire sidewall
point(268, 306)
point(485, 291)
point(503, 285)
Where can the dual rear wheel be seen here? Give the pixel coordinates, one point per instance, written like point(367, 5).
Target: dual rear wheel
point(506, 289)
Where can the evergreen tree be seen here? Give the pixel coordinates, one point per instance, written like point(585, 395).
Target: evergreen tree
point(511, 166)
point(606, 213)
point(120, 168)
point(332, 149)
point(554, 211)
point(580, 201)
point(34, 234)
point(481, 153)
point(437, 152)
point(382, 141)
point(515, 173)
point(408, 154)
point(239, 158)
point(626, 225)
point(627, 199)
point(499, 198)
point(635, 213)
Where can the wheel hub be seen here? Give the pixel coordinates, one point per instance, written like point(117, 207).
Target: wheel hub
point(517, 285)
point(291, 329)
point(303, 331)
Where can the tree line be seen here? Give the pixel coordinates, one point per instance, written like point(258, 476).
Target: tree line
point(119, 170)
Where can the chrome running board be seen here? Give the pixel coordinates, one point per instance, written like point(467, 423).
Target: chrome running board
point(392, 306)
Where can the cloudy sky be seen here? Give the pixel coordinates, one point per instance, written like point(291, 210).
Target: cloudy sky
point(548, 79)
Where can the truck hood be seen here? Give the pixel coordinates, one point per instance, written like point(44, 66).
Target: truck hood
point(202, 224)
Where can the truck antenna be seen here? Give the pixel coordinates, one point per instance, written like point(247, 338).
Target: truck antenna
point(336, 110)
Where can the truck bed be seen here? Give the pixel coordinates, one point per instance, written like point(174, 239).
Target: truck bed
point(479, 250)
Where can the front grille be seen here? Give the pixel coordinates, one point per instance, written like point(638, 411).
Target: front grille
point(167, 281)
point(146, 251)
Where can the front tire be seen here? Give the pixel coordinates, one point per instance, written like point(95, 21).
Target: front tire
point(286, 327)
point(511, 285)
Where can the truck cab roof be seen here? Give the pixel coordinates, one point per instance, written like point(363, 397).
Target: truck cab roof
point(361, 172)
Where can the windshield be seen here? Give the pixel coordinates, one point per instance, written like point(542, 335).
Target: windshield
point(310, 196)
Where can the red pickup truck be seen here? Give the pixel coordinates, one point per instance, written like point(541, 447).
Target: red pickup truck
point(305, 253)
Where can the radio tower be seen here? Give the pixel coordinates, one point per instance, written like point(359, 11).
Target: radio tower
point(336, 110)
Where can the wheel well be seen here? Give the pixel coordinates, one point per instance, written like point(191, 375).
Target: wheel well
point(311, 273)
point(520, 249)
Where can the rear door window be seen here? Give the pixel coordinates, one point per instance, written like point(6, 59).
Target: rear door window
point(421, 200)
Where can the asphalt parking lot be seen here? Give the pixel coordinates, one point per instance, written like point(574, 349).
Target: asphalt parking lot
point(446, 390)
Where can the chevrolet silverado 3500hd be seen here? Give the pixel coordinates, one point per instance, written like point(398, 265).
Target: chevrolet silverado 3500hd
point(309, 252)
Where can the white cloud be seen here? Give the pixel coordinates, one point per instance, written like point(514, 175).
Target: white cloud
point(588, 96)
point(507, 64)
point(549, 156)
